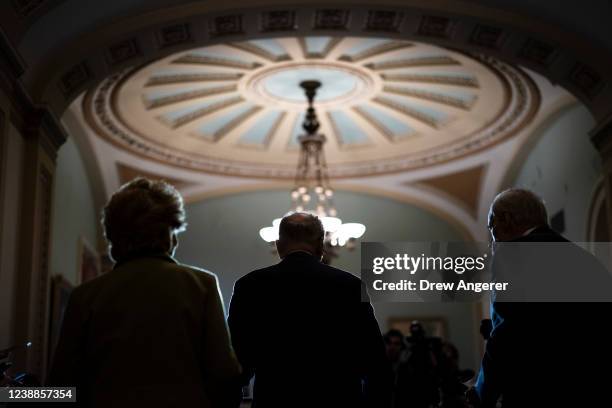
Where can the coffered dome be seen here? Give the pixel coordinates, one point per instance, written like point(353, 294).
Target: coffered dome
point(384, 105)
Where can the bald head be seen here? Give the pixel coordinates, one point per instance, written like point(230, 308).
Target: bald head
point(300, 232)
point(515, 211)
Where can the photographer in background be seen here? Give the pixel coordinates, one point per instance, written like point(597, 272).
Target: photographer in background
point(396, 354)
point(419, 375)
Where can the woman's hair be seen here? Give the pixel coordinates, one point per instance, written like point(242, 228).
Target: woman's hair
point(140, 217)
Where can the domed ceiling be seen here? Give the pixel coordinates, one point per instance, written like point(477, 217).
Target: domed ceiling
point(385, 105)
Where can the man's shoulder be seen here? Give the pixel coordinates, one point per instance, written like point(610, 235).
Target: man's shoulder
point(268, 272)
point(340, 274)
point(278, 270)
point(542, 234)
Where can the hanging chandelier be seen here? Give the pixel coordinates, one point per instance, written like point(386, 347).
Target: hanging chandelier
point(312, 192)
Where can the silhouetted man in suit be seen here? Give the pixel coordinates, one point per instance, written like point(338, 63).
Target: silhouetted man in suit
point(542, 353)
point(302, 328)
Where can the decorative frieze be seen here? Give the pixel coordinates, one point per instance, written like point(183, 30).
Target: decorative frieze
point(123, 51)
point(226, 25)
point(436, 26)
point(384, 21)
point(488, 36)
point(538, 52)
point(74, 79)
point(331, 19)
point(174, 35)
point(588, 81)
point(278, 20)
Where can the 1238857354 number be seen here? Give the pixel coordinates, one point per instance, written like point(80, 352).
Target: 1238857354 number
point(38, 394)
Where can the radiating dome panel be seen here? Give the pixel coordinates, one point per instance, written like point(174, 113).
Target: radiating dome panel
point(391, 126)
point(219, 125)
point(261, 131)
point(346, 130)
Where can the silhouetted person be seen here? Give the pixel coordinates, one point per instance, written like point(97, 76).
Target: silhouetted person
point(395, 345)
point(419, 372)
point(414, 372)
point(537, 354)
point(486, 326)
point(302, 329)
point(151, 332)
point(396, 354)
point(451, 377)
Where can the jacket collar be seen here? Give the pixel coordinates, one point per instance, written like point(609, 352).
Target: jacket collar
point(158, 255)
point(301, 255)
point(542, 233)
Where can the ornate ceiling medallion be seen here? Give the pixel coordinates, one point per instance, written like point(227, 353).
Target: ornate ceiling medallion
point(276, 85)
point(386, 105)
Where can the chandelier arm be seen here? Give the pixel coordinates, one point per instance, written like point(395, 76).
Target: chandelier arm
point(325, 172)
point(319, 175)
point(298, 174)
point(305, 168)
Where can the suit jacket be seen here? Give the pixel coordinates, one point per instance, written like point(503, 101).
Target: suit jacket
point(546, 353)
point(301, 328)
point(149, 333)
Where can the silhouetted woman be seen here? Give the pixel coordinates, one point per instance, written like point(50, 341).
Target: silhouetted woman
point(151, 332)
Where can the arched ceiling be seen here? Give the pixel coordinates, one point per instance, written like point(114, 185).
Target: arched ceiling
point(419, 149)
point(565, 43)
point(385, 105)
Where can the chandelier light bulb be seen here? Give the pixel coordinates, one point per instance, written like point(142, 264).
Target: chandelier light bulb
point(302, 189)
point(295, 194)
point(306, 198)
point(318, 189)
point(299, 208)
point(329, 192)
point(331, 224)
point(269, 234)
point(351, 230)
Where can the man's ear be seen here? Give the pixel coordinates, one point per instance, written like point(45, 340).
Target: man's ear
point(321, 249)
point(280, 248)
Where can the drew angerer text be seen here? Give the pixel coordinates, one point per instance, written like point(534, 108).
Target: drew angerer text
point(425, 285)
